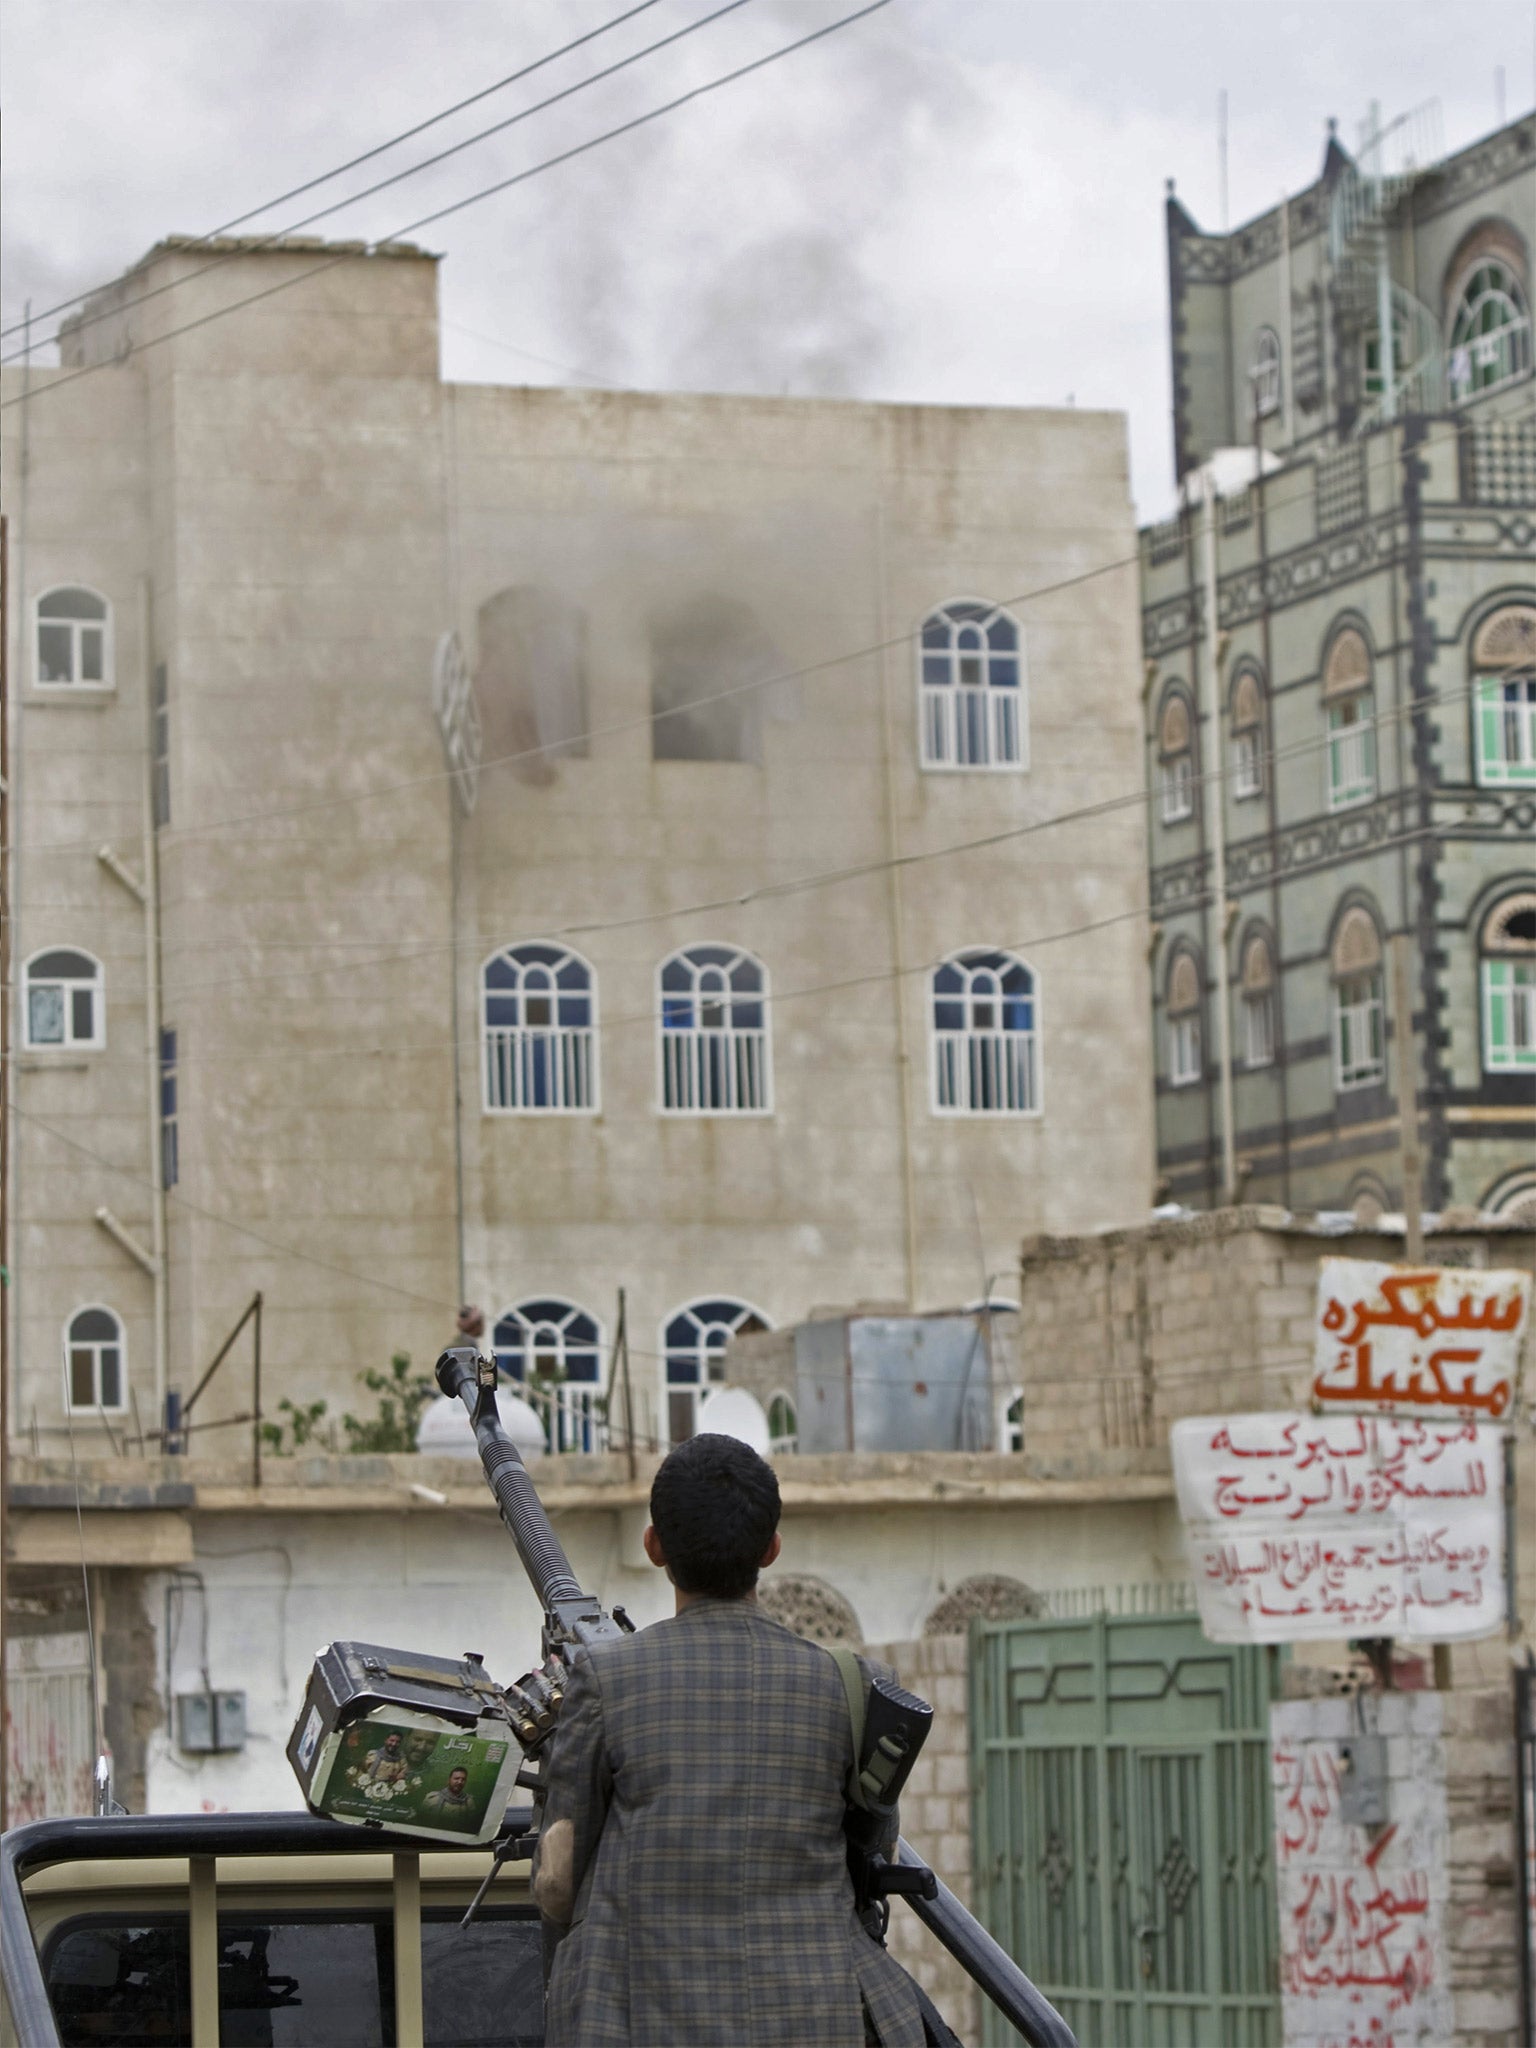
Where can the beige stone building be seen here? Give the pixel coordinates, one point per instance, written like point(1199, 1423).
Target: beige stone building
point(791, 953)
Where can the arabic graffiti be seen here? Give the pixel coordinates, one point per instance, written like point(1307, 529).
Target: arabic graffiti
point(1326, 1527)
point(1361, 1910)
point(1393, 1338)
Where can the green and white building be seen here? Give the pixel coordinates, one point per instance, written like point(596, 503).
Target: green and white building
point(1354, 742)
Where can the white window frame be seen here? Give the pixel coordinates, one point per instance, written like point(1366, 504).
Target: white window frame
point(1186, 1054)
point(1176, 778)
point(1258, 1029)
point(1350, 751)
point(1518, 999)
point(511, 1054)
point(1361, 1017)
point(68, 986)
point(782, 1442)
point(1510, 718)
point(1005, 1059)
point(1265, 371)
point(1467, 354)
point(95, 1346)
point(574, 1412)
point(692, 1058)
point(1247, 763)
point(77, 685)
point(944, 709)
point(706, 1355)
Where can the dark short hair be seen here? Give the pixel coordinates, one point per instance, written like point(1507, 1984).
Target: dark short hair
point(715, 1506)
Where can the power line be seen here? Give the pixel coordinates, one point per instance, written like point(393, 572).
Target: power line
point(564, 156)
point(274, 240)
point(380, 149)
point(408, 953)
point(175, 835)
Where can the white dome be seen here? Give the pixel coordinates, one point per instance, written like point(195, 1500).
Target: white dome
point(444, 1429)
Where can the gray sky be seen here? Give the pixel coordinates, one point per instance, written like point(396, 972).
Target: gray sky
point(954, 200)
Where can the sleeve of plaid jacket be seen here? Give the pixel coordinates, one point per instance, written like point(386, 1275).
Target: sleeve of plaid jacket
point(576, 1805)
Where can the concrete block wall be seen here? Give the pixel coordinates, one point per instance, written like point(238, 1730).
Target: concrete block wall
point(936, 1818)
point(1482, 1916)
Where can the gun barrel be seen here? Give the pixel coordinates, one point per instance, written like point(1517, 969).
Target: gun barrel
point(990, 1966)
point(538, 1546)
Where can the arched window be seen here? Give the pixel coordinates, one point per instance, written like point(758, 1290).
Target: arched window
point(1185, 1058)
point(783, 1423)
point(1258, 997)
point(975, 714)
point(1508, 949)
point(1349, 706)
point(74, 639)
point(1247, 736)
point(553, 1351)
point(985, 1037)
point(1504, 685)
point(1490, 335)
point(715, 1055)
point(64, 1000)
point(1176, 758)
point(693, 1342)
point(95, 1362)
point(539, 1031)
point(1359, 1030)
point(1264, 372)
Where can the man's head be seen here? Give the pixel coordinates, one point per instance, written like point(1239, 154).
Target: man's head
point(458, 1778)
point(714, 1517)
point(391, 1743)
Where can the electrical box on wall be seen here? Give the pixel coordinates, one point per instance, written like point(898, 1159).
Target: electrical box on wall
point(1363, 1780)
point(210, 1722)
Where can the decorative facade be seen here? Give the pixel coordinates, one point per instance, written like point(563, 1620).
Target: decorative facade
point(1371, 734)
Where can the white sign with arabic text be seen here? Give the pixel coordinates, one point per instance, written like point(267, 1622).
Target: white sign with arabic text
point(1405, 1340)
point(1321, 1527)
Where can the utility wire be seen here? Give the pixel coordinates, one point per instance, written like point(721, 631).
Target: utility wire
point(411, 951)
point(549, 163)
point(175, 835)
point(226, 257)
point(379, 149)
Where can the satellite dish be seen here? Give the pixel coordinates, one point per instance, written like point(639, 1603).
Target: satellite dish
point(732, 1411)
point(444, 1430)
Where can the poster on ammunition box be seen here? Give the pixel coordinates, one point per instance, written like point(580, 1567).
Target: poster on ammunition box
point(401, 1776)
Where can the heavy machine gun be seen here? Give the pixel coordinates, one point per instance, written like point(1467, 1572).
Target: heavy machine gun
point(892, 1730)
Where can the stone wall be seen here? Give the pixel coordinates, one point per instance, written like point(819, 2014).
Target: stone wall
point(1483, 1912)
point(1123, 1333)
point(936, 1818)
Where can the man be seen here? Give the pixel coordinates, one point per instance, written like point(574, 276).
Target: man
point(692, 1863)
point(385, 1765)
point(451, 1801)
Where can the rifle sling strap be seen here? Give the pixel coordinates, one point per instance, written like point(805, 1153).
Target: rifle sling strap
point(852, 1674)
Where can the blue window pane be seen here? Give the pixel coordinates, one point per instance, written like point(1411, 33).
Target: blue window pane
point(501, 1010)
point(500, 973)
point(537, 1072)
point(676, 1013)
point(576, 1011)
point(947, 980)
point(936, 633)
point(582, 1365)
point(949, 1016)
point(168, 1048)
point(1003, 634)
point(969, 611)
point(543, 956)
point(936, 670)
point(968, 637)
point(746, 974)
point(573, 975)
point(711, 956)
point(1018, 1014)
point(676, 974)
point(581, 1330)
point(747, 1016)
point(1017, 980)
point(168, 1095)
point(1004, 673)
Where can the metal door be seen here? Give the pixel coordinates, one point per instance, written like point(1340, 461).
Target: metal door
point(1123, 1839)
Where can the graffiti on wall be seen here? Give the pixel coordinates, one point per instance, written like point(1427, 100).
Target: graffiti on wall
point(1362, 1948)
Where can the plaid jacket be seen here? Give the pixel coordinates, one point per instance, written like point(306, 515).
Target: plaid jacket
point(701, 1766)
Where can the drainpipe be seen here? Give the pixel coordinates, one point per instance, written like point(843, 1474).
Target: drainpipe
point(153, 1016)
point(1218, 815)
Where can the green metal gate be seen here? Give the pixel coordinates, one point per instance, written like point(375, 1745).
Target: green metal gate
point(1123, 1838)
